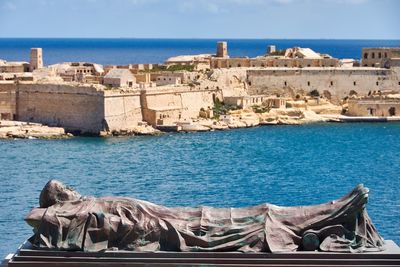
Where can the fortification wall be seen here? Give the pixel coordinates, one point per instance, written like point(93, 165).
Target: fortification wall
point(7, 101)
point(231, 81)
point(188, 101)
point(76, 108)
point(374, 107)
point(338, 81)
point(121, 110)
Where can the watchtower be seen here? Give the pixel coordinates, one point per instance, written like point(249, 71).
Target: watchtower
point(36, 59)
point(222, 49)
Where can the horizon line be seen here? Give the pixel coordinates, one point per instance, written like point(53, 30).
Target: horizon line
point(209, 38)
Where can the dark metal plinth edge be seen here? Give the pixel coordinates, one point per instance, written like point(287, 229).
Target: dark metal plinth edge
point(27, 256)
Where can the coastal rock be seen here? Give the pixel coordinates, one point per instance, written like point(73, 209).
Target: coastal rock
point(23, 130)
point(142, 129)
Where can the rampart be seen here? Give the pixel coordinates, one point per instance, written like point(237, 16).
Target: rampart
point(176, 103)
point(338, 81)
point(90, 109)
point(77, 108)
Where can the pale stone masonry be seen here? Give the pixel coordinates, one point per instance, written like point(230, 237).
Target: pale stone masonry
point(89, 109)
point(36, 59)
point(89, 98)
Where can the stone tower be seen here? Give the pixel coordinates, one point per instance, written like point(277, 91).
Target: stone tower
point(222, 49)
point(36, 59)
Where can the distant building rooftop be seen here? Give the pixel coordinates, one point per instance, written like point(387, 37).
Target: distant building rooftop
point(117, 73)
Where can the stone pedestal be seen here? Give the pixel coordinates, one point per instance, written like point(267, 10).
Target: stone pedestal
point(26, 256)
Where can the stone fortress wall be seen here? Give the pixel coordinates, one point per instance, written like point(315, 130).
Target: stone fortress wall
point(8, 103)
point(76, 108)
point(338, 81)
point(176, 103)
point(85, 109)
point(122, 110)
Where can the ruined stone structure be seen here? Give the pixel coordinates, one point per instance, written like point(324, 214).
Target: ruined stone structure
point(36, 59)
point(84, 72)
point(380, 57)
point(255, 100)
point(13, 67)
point(374, 106)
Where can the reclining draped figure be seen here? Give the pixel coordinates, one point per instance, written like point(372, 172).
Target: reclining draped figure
point(67, 221)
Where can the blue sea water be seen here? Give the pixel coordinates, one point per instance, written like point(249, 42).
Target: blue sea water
point(130, 51)
point(283, 165)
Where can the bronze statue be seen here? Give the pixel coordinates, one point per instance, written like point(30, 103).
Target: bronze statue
point(67, 221)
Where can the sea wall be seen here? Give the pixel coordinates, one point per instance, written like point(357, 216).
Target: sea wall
point(87, 109)
point(177, 103)
point(75, 108)
point(338, 81)
point(122, 110)
point(7, 101)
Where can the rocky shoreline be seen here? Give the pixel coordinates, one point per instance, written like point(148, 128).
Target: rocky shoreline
point(27, 130)
point(234, 119)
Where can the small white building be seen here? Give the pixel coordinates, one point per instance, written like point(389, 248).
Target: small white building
point(119, 78)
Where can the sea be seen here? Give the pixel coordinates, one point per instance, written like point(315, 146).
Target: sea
point(130, 51)
point(282, 165)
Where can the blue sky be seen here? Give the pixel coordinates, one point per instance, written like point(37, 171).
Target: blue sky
point(337, 19)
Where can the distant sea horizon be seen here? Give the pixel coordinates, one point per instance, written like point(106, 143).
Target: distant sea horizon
point(123, 51)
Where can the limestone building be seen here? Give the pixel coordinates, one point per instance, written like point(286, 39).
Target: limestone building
point(119, 78)
point(13, 66)
point(382, 57)
point(168, 80)
point(295, 57)
point(374, 106)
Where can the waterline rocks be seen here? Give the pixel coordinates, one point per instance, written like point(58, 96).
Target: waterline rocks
point(25, 130)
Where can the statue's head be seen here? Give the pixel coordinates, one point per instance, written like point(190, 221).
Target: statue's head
point(55, 191)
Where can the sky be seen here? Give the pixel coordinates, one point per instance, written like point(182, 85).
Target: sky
point(284, 19)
